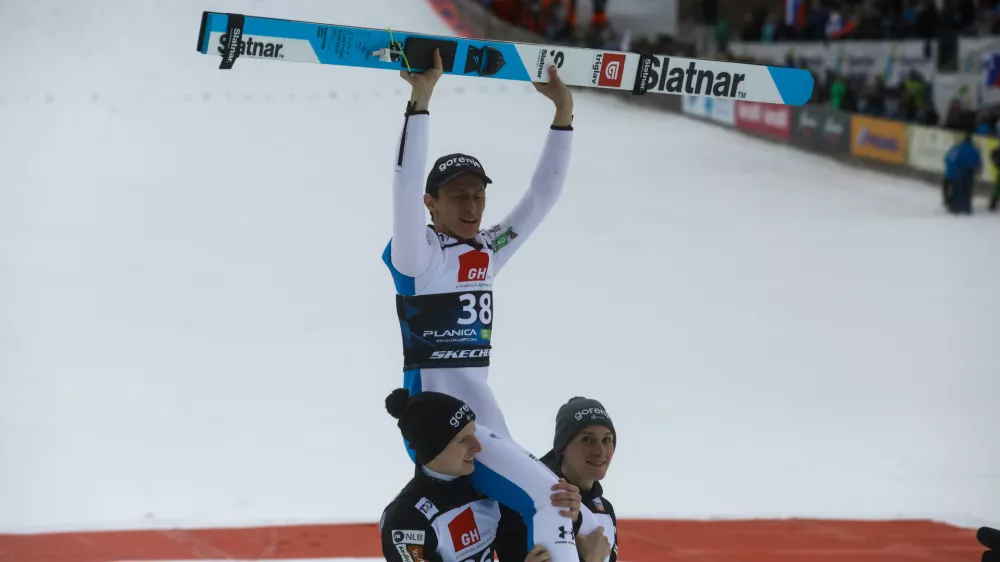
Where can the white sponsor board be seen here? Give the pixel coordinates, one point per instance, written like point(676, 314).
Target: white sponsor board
point(927, 147)
point(718, 110)
point(975, 61)
point(893, 60)
point(971, 51)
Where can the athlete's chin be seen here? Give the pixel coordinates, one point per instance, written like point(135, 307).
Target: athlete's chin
point(468, 230)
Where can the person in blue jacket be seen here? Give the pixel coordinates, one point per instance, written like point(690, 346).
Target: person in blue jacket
point(950, 171)
point(964, 163)
point(995, 198)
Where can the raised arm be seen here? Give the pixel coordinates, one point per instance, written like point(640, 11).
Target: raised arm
point(411, 250)
point(548, 179)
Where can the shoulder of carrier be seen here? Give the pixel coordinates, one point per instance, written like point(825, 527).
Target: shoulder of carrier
point(414, 501)
point(406, 527)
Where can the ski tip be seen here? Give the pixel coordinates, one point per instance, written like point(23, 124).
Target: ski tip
point(795, 86)
point(202, 47)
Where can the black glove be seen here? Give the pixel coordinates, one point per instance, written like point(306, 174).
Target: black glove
point(990, 538)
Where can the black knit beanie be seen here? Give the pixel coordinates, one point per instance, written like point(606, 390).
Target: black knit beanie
point(576, 415)
point(429, 420)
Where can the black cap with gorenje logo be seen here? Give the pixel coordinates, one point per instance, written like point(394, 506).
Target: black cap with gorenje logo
point(428, 420)
point(450, 167)
point(576, 415)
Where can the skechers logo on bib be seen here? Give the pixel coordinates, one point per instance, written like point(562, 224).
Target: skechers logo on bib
point(253, 48)
point(461, 413)
point(596, 412)
point(472, 266)
point(461, 354)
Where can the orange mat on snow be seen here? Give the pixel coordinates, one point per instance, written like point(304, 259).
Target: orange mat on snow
point(641, 541)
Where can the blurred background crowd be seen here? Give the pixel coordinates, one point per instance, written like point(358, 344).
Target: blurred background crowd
point(843, 42)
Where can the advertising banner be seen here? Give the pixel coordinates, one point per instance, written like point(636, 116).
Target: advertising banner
point(718, 110)
point(971, 51)
point(765, 119)
point(823, 130)
point(878, 139)
point(892, 60)
point(928, 146)
point(986, 145)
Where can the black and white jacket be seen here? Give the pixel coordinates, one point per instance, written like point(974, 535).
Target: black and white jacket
point(512, 533)
point(439, 519)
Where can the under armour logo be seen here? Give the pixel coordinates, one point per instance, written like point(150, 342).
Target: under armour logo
point(563, 533)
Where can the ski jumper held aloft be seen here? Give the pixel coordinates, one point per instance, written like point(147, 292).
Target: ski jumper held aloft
point(444, 274)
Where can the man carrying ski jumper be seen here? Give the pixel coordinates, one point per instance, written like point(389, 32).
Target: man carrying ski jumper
point(444, 282)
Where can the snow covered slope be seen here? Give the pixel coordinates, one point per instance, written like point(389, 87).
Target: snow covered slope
point(199, 332)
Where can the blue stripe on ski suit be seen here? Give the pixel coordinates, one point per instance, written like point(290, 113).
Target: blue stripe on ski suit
point(406, 286)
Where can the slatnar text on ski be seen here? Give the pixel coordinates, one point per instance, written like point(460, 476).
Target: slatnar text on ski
point(693, 81)
point(253, 48)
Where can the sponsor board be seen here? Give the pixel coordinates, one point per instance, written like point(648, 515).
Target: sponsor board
point(718, 110)
point(985, 146)
point(823, 130)
point(878, 139)
point(765, 119)
point(928, 146)
point(893, 60)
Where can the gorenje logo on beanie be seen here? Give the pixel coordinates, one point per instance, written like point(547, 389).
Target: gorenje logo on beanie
point(595, 412)
point(461, 413)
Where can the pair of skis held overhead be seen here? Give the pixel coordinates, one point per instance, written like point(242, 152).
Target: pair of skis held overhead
point(233, 36)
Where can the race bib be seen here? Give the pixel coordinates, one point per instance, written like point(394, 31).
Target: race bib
point(446, 330)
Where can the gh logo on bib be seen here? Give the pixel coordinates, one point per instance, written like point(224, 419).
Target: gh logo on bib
point(472, 266)
point(464, 531)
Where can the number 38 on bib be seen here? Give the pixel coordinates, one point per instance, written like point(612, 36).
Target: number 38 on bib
point(446, 330)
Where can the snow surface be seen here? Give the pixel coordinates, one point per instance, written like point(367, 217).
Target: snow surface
point(196, 327)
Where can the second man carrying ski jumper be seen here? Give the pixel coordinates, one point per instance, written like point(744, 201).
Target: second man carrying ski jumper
point(444, 282)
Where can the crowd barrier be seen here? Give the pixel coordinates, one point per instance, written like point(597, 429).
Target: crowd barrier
point(891, 146)
point(884, 143)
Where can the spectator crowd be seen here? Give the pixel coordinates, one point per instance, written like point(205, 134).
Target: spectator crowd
point(558, 22)
point(832, 20)
point(911, 99)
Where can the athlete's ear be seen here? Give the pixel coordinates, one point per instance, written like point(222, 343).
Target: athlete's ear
point(429, 203)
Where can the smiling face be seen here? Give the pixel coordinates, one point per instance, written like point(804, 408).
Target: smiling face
point(457, 208)
point(588, 456)
point(457, 459)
